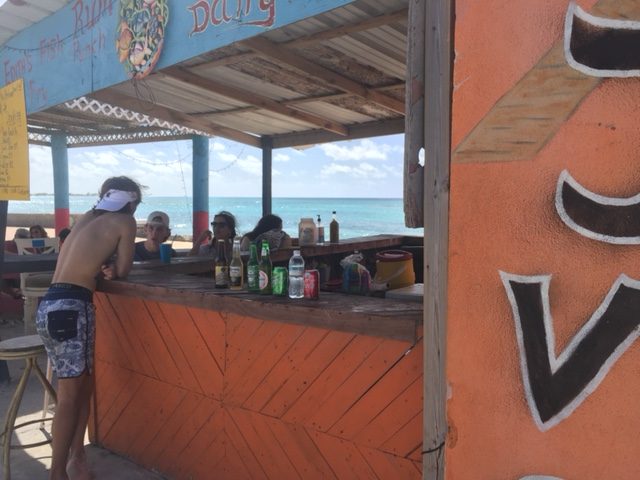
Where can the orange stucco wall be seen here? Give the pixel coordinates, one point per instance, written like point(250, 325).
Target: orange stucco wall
point(502, 218)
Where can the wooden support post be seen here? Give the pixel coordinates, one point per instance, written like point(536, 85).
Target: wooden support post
point(4, 206)
point(267, 154)
point(438, 89)
point(414, 117)
point(60, 180)
point(200, 178)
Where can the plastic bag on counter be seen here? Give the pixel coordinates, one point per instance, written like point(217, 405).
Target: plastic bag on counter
point(356, 278)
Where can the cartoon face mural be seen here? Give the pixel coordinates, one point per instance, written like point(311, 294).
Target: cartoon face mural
point(140, 34)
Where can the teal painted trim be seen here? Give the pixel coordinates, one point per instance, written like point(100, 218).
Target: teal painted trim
point(60, 170)
point(73, 52)
point(200, 173)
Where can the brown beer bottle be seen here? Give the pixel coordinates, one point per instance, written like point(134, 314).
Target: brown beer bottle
point(236, 266)
point(222, 266)
point(334, 229)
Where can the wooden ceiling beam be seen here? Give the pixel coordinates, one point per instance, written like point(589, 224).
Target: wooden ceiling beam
point(364, 130)
point(368, 24)
point(300, 100)
point(256, 100)
point(88, 117)
point(174, 116)
point(283, 55)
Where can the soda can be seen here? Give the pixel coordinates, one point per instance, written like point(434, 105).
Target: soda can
point(279, 281)
point(312, 284)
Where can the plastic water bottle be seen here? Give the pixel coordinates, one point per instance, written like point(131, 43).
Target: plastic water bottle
point(296, 275)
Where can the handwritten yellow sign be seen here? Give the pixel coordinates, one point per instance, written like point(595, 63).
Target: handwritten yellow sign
point(14, 147)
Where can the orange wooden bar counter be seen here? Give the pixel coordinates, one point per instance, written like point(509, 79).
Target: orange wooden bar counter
point(200, 384)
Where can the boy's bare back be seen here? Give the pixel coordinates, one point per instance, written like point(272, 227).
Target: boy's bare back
point(92, 242)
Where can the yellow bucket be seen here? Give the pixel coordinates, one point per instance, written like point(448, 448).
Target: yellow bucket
point(395, 268)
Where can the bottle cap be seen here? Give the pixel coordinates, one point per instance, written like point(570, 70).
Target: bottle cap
point(296, 252)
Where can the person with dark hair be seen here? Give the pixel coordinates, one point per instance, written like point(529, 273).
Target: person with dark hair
point(269, 228)
point(223, 227)
point(63, 234)
point(66, 315)
point(38, 231)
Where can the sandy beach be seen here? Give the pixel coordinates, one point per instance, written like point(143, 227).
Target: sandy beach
point(11, 231)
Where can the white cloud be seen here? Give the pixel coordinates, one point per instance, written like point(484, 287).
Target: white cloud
point(364, 150)
point(334, 168)
point(394, 171)
point(226, 157)
point(361, 171)
point(281, 157)
point(251, 164)
point(102, 158)
point(218, 147)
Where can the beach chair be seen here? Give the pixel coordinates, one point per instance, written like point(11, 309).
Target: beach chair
point(34, 285)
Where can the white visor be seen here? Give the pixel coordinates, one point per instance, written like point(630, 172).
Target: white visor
point(114, 200)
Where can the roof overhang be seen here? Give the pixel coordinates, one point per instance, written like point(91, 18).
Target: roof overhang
point(323, 71)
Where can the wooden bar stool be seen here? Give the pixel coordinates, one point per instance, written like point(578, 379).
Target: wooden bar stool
point(27, 348)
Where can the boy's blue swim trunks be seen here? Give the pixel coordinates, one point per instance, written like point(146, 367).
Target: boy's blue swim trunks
point(67, 325)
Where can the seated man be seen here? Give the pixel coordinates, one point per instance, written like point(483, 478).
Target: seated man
point(157, 231)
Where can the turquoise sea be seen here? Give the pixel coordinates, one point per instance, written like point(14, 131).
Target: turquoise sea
point(357, 216)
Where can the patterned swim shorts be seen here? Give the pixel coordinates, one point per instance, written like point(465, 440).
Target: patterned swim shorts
point(66, 323)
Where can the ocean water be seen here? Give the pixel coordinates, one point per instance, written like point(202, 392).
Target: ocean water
point(357, 216)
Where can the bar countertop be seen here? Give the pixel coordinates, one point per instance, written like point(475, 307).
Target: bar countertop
point(173, 283)
point(337, 311)
point(39, 263)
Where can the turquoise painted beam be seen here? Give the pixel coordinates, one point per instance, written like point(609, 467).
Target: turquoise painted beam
point(60, 180)
point(75, 51)
point(200, 185)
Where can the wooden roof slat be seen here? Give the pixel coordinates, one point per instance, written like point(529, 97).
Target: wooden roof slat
point(368, 24)
point(255, 99)
point(174, 94)
point(268, 48)
point(124, 101)
point(270, 123)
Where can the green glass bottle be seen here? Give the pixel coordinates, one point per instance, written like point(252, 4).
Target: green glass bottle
point(253, 271)
point(265, 269)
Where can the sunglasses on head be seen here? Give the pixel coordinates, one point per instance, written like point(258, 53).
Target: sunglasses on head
point(218, 224)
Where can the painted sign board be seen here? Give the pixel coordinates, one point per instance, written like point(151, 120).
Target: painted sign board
point(78, 49)
point(544, 267)
point(14, 153)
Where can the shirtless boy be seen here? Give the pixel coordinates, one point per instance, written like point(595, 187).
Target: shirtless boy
point(66, 315)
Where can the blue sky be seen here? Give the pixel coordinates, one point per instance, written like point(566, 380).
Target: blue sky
point(358, 168)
